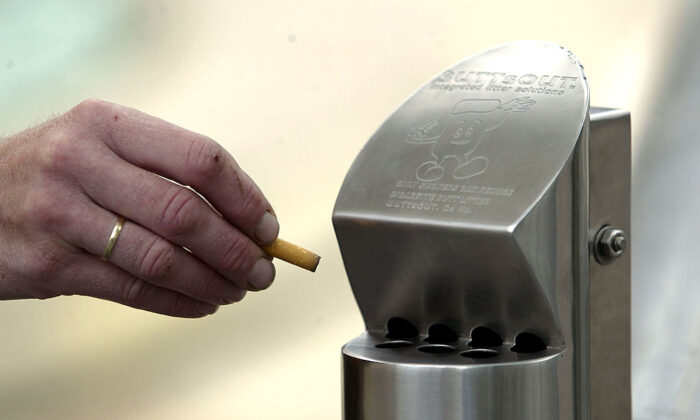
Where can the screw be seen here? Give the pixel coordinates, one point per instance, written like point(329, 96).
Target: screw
point(610, 244)
point(619, 243)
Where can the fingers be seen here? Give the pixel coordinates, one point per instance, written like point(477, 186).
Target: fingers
point(188, 158)
point(148, 256)
point(183, 218)
point(89, 276)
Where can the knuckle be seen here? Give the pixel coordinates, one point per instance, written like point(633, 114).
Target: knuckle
point(182, 211)
point(181, 305)
point(89, 110)
point(133, 292)
point(212, 289)
point(95, 115)
point(205, 160)
point(238, 255)
point(158, 260)
point(252, 202)
point(58, 151)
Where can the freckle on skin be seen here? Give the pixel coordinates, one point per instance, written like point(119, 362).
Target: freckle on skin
point(116, 117)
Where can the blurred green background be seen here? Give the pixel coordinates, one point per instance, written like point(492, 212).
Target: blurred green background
point(292, 90)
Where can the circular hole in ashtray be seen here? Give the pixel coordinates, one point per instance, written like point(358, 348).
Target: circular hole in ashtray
point(479, 353)
point(393, 344)
point(400, 329)
point(485, 337)
point(441, 334)
point(526, 342)
point(436, 348)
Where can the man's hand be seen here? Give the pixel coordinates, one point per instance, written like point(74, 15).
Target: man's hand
point(64, 183)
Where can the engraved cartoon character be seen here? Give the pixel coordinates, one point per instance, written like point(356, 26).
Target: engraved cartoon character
point(459, 138)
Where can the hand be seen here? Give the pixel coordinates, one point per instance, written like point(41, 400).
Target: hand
point(64, 183)
point(426, 133)
point(520, 104)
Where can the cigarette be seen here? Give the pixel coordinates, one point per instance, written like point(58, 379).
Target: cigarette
point(293, 254)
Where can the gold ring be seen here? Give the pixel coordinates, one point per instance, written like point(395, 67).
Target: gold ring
point(113, 238)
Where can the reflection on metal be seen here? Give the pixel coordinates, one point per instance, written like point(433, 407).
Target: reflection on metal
point(467, 227)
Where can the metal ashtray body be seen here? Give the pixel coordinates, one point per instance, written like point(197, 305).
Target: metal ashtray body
point(467, 226)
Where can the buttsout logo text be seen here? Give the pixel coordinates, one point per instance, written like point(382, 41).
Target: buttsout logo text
point(528, 83)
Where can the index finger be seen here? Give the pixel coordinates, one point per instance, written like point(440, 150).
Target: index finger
point(188, 158)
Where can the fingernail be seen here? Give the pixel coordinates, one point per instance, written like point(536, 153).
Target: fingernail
point(233, 295)
point(267, 230)
point(207, 308)
point(261, 275)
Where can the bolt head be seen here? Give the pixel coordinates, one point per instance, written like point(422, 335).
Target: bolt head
point(611, 244)
point(619, 243)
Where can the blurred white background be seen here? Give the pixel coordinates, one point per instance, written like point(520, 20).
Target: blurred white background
point(293, 90)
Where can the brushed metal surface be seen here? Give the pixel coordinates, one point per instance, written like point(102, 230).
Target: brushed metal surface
point(468, 208)
point(403, 239)
point(610, 308)
point(404, 383)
